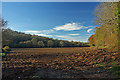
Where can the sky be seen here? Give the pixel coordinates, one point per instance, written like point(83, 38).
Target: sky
point(71, 21)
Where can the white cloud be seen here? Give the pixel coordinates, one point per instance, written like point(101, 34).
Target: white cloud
point(41, 31)
point(61, 36)
point(65, 37)
point(74, 34)
point(44, 35)
point(70, 27)
point(90, 26)
point(89, 30)
point(69, 38)
point(66, 27)
point(32, 31)
point(47, 31)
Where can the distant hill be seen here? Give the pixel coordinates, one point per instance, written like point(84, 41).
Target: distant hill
point(16, 39)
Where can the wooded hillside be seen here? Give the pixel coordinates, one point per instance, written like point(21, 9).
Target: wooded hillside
point(16, 39)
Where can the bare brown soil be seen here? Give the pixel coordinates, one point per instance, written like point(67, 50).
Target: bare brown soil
point(59, 63)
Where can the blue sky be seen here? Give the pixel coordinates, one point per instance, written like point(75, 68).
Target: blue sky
point(67, 21)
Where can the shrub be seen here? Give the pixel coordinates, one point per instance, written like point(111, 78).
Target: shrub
point(115, 70)
point(6, 49)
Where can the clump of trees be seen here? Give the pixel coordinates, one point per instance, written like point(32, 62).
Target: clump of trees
point(15, 39)
point(108, 17)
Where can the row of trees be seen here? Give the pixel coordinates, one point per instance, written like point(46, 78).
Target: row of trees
point(16, 39)
point(108, 17)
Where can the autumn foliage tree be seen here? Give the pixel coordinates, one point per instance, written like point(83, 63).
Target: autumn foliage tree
point(107, 16)
point(91, 40)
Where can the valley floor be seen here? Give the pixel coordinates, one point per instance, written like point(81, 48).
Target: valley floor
point(80, 62)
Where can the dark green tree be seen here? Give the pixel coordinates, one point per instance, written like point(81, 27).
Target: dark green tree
point(61, 43)
point(40, 44)
point(50, 43)
point(34, 41)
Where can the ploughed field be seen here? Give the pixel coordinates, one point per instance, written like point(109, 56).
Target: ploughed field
point(82, 62)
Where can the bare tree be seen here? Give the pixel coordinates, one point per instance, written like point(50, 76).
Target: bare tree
point(3, 23)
